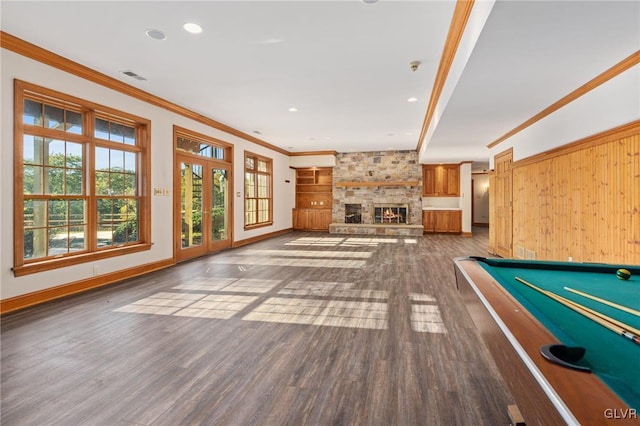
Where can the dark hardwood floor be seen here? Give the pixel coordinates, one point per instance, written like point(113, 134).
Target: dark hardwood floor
point(302, 329)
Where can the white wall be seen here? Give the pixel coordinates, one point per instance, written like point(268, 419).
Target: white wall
point(478, 17)
point(612, 104)
point(14, 66)
point(325, 160)
point(465, 196)
point(480, 198)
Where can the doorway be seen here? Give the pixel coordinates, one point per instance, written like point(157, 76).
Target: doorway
point(502, 198)
point(202, 187)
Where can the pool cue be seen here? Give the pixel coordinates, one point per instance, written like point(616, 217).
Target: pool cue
point(609, 323)
point(593, 312)
point(605, 302)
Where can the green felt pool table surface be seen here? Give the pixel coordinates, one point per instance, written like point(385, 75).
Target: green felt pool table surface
point(614, 359)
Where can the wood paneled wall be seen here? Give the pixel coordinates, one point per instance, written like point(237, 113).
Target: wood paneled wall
point(582, 202)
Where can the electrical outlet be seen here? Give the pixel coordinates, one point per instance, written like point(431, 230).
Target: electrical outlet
point(157, 191)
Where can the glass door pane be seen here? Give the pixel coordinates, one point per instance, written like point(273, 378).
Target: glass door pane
point(219, 205)
point(191, 204)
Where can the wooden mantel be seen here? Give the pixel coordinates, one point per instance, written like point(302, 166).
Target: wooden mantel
point(382, 183)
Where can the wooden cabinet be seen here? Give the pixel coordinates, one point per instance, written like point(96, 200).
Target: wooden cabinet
point(312, 219)
point(455, 221)
point(441, 180)
point(300, 218)
point(442, 221)
point(429, 220)
point(314, 199)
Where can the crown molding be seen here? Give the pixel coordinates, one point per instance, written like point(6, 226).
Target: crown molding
point(459, 21)
point(302, 154)
point(29, 50)
point(602, 78)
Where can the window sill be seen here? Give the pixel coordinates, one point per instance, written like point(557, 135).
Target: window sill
point(62, 262)
point(257, 225)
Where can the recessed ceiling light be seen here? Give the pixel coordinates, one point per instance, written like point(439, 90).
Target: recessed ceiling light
point(412, 100)
point(257, 132)
point(156, 34)
point(193, 28)
point(369, 1)
point(293, 109)
point(327, 137)
point(408, 133)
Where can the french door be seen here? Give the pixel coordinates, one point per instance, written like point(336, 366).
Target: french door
point(203, 207)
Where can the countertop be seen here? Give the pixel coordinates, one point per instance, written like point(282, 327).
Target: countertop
point(441, 208)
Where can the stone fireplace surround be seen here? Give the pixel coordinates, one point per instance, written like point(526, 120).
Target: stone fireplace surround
point(371, 168)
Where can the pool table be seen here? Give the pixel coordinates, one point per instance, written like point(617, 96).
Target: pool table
point(516, 321)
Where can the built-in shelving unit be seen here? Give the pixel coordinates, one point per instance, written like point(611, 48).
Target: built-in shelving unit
point(314, 198)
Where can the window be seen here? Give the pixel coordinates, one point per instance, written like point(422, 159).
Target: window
point(81, 175)
point(257, 190)
point(207, 149)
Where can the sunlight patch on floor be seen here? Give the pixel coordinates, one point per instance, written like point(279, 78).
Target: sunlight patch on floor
point(334, 313)
point(421, 297)
point(427, 319)
point(307, 253)
point(206, 284)
point(342, 242)
point(333, 289)
point(222, 306)
point(312, 263)
point(362, 313)
point(315, 241)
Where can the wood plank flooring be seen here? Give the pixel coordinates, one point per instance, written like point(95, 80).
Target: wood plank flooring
point(301, 329)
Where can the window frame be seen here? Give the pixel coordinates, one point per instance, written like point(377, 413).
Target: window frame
point(90, 111)
point(256, 173)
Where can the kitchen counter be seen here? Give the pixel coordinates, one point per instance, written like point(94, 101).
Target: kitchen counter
point(441, 208)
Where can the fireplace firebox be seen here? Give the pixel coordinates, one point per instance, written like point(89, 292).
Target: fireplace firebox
point(391, 213)
point(353, 213)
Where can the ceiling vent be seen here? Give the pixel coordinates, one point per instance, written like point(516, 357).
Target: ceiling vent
point(134, 75)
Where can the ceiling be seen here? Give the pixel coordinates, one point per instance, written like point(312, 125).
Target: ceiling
point(344, 65)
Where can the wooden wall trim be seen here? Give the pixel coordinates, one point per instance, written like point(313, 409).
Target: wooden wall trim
point(607, 136)
point(35, 298)
point(24, 48)
point(607, 75)
point(459, 21)
point(302, 154)
point(251, 240)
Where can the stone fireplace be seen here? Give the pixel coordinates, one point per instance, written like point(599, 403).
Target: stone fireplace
point(382, 189)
